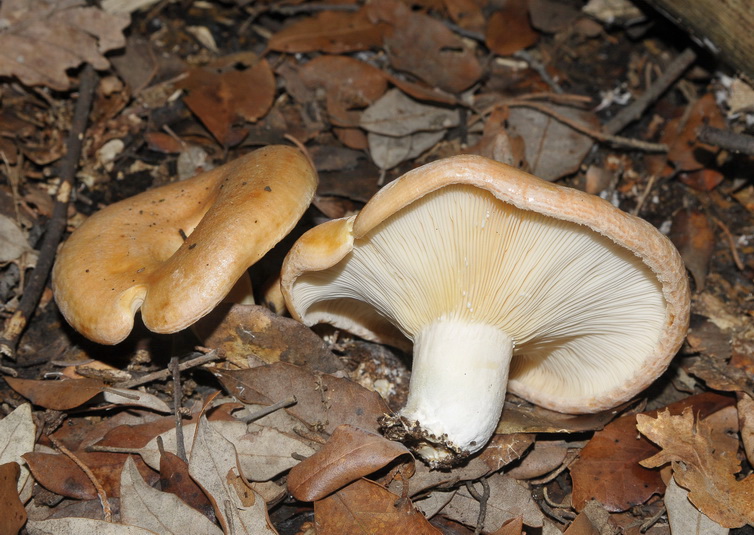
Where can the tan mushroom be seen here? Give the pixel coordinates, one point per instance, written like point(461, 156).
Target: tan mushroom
point(499, 279)
point(176, 251)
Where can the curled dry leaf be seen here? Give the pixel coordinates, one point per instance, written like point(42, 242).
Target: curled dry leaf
point(701, 465)
point(175, 479)
point(12, 512)
point(367, 507)
point(161, 512)
point(350, 454)
point(41, 39)
point(17, 434)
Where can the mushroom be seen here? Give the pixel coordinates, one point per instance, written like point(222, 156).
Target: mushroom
point(499, 279)
point(176, 251)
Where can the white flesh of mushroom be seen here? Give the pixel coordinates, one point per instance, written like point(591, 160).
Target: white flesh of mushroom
point(481, 286)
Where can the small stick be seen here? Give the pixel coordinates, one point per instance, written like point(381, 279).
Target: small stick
point(97, 485)
point(725, 139)
point(164, 374)
point(652, 521)
point(636, 109)
point(56, 226)
point(270, 409)
point(482, 499)
point(644, 195)
point(180, 444)
point(731, 243)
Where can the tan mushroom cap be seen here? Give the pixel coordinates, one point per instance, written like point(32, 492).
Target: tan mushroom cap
point(320, 286)
point(176, 251)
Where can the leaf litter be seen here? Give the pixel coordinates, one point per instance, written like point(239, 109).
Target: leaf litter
point(372, 89)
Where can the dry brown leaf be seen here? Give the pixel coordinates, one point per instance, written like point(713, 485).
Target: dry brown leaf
point(349, 85)
point(41, 39)
point(350, 454)
point(12, 512)
point(581, 525)
point(692, 234)
point(509, 29)
point(161, 512)
point(324, 401)
point(175, 479)
point(426, 48)
point(365, 507)
point(251, 329)
point(701, 465)
point(233, 89)
point(334, 32)
point(397, 115)
point(544, 457)
point(13, 242)
point(608, 468)
point(685, 152)
point(57, 395)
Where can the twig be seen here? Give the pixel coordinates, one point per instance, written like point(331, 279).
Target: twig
point(644, 195)
point(164, 374)
point(652, 521)
point(270, 409)
point(585, 129)
point(636, 109)
point(482, 499)
point(539, 68)
point(97, 485)
point(56, 226)
point(725, 139)
point(731, 243)
point(180, 444)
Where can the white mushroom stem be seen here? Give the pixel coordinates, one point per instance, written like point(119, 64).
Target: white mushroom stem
point(458, 384)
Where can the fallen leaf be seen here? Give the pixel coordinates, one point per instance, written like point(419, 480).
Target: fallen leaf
point(161, 512)
point(81, 526)
point(41, 39)
point(684, 517)
point(467, 14)
point(397, 115)
point(334, 32)
point(509, 29)
point(350, 454)
point(175, 479)
point(508, 499)
point(608, 468)
point(524, 418)
point(233, 89)
point(365, 507)
point(701, 466)
point(324, 401)
point(17, 437)
point(13, 242)
point(746, 422)
point(544, 457)
point(57, 395)
point(388, 151)
point(251, 329)
point(553, 149)
point(514, 526)
point(12, 512)
point(123, 396)
point(349, 85)
point(213, 465)
point(693, 236)
point(551, 16)
point(581, 525)
point(684, 151)
point(425, 47)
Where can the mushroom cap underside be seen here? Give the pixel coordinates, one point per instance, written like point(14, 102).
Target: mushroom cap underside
point(175, 251)
point(605, 331)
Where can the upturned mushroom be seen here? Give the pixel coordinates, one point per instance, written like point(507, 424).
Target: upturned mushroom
point(502, 281)
point(176, 251)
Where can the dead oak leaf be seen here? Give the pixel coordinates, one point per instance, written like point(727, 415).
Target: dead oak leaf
point(699, 466)
point(40, 39)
